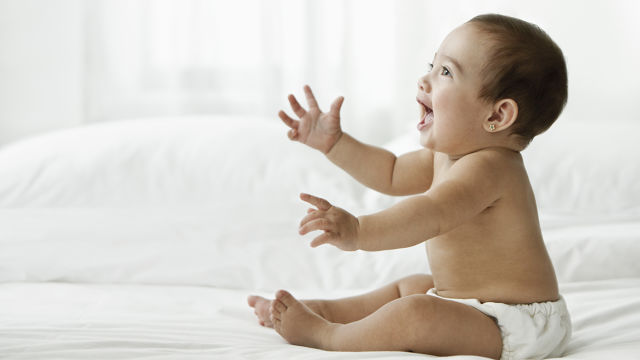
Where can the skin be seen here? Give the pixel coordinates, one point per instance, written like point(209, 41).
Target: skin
point(473, 207)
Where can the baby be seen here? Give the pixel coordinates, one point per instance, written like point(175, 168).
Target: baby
point(494, 84)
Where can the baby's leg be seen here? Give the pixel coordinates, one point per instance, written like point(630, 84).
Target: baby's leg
point(347, 310)
point(353, 308)
point(417, 323)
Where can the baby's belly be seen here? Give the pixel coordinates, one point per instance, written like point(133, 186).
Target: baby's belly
point(478, 270)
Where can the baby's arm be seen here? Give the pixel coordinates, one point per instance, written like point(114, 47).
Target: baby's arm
point(472, 184)
point(381, 170)
point(374, 167)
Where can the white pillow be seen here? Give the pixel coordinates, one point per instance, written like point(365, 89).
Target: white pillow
point(584, 168)
point(167, 162)
point(595, 251)
point(236, 245)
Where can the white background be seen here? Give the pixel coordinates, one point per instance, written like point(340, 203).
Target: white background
point(65, 63)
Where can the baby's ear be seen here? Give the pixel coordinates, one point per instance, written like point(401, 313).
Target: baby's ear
point(504, 114)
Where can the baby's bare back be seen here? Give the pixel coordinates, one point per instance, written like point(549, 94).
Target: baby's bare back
point(498, 255)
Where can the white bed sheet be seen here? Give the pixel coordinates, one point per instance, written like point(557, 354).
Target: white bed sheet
point(91, 321)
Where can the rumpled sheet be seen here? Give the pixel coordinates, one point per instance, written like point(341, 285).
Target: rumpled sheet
point(94, 321)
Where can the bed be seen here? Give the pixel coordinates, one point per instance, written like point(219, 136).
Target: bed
point(143, 238)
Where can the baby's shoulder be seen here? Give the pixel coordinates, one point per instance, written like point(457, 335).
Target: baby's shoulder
point(506, 167)
point(493, 164)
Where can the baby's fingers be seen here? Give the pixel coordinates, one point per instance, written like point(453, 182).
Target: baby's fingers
point(293, 124)
point(311, 216)
point(311, 100)
point(295, 106)
point(292, 134)
point(320, 203)
point(322, 239)
point(317, 224)
point(336, 105)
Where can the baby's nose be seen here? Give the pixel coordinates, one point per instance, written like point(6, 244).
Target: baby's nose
point(423, 84)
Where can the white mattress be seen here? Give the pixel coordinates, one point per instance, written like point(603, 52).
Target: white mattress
point(89, 321)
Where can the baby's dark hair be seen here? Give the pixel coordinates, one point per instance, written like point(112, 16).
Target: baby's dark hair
point(525, 65)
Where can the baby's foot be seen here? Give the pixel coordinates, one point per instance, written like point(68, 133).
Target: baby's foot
point(261, 309)
point(295, 322)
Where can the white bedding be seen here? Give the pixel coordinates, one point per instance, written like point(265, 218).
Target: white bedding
point(142, 239)
point(91, 321)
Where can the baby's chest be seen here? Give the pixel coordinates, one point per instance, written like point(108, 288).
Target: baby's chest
point(482, 232)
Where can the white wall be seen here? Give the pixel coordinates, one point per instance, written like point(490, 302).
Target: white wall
point(41, 66)
point(42, 58)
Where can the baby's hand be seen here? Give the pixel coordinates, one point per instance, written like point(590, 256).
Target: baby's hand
point(340, 228)
point(317, 129)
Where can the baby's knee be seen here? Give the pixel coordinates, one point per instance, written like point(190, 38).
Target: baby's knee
point(417, 307)
point(416, 314)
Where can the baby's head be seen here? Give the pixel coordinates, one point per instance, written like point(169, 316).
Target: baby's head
point(500, 81)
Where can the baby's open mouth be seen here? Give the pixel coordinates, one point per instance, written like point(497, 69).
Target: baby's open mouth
point(426, 116)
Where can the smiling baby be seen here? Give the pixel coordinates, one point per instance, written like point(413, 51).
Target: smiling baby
point(495, 83)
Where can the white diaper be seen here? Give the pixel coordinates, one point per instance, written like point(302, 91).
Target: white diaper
point(529, 331)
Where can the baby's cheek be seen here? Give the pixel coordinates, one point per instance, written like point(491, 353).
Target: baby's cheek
point(443, 106)
point(455, 104)
point(442, 112)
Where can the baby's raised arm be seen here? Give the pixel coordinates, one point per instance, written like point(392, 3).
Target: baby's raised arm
point(381, 170)
point(372, 166)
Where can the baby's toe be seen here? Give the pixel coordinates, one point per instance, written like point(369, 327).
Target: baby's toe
point(285, 297)
point(279, 306)
point(275, 311)
point(277, 325)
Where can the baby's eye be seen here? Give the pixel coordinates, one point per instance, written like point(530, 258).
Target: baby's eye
point(445, 71)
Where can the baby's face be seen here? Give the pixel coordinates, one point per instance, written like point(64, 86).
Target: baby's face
point(452, 113)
